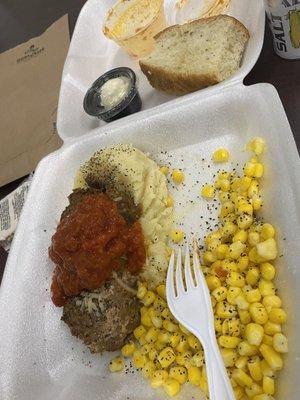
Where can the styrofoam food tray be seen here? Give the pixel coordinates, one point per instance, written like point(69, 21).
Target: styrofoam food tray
point(91, 54)
point(39, 357)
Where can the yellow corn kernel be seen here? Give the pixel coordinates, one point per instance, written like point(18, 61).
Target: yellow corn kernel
point(178, 372)
point(267, 271)
point(232, 293)
point(236, 249)
point(229, 357)
point(252, 276)
point(208, 192)
point(223, 197)
point(163, 337)
point(240, 236)
point(194, 343)
point(235, 279)
point(213, 282)
point(280, 343)
point(244, 221)
point(268, 385)
point(128, 349)
point(220, 155)
point(253, 189)
point(159, 304)
point(242, 263)
point(220, 293)
point(246, 349)
point(222, 251)
point(182, 345)
point(225, 185)
point(254, 257)
point(177, 236)
point(242, 302)
point(271, 302)
point(194, 375)
point(142, 340)
point(267, 231)
point(266, 369)
point(149, 298)
point(271, 356)
point(241, 362)
point(253, 296)
point(164, 169)
point(151, 335)
point(177, 176)
point(228, 229)
point(218, 324)
point(257, 202)
point(153, 354)
point(278, 316)
point(155, 319)
point(169, 201)
point(169, 326)
point(267, 249)
point(229, 342)
point(146, 320)
point(258, 170)
point(161, 291)
point(253, 390)
point(139, 332)
point(271, 328)
point(266, 288)
point(257, 145)
point(267, 339)
point(166, 357)
point(171, 387)
point(139, 359)
point(166, 314)
point(249, 169)
point(213, 245)
point(198, 359)
point(116, 364)
point(253, 238)
point(226, 209)
point(238, 392)
point(255, 368)
point(262, 397)
point(244, 316)
point(229, 266)
point(258, 313)
point(241, 377)
point(245, 208)
point(184, 359)
point(148, 369)
point(174, 339)
point(209, 257)
point(225, 310)
point(254, 334)
point(243, 184)
point(158, 378)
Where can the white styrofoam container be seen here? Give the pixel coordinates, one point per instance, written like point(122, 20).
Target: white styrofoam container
point(39, 357)
point(91, 54)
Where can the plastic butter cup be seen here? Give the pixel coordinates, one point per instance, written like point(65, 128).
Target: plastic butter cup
point(132, 24)
point(130, 102)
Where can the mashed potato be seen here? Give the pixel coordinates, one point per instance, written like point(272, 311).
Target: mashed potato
point(125, 170)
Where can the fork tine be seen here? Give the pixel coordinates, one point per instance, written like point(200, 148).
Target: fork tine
point(178, 275)
point(196, 266)
point(170, 278)
point(187, 270)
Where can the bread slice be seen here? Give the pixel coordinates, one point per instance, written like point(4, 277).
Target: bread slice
point(195, 55)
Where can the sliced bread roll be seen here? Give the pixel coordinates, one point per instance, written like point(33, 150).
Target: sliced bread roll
point(195, 55)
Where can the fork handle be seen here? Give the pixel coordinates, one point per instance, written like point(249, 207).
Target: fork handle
point(218, 382)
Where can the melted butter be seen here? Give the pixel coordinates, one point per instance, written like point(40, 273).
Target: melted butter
point(113, 91)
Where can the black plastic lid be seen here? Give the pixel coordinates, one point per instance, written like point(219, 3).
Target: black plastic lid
point(129, 105)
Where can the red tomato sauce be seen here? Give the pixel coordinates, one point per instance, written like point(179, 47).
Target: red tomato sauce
point(91, 242)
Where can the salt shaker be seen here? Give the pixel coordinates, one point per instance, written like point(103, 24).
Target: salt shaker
point(284, 21)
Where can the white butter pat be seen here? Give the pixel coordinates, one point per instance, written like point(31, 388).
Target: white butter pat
point(114, 91)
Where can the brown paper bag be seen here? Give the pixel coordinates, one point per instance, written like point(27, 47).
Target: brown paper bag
point(30, 76)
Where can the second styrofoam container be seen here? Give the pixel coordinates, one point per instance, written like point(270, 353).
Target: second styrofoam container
point(91, 54)
point(39, 357)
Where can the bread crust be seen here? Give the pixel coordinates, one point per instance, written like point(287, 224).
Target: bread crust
point(179, 82)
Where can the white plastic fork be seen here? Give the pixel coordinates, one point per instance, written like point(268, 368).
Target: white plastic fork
point(191, 306)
